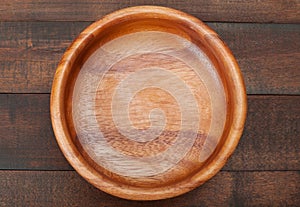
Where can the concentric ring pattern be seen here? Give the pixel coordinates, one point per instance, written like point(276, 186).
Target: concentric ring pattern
point(149, 104)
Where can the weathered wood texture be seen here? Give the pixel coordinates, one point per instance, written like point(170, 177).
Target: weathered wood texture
point(270, 140)
point(268, 54)
point(263, 171)
point(27, 140)
point(32, 188)
point(212, 10)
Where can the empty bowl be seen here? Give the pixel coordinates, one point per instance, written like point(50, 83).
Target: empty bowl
point(148, 103)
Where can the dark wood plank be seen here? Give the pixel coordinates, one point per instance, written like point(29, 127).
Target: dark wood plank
point(30, 52)
point(53, 188)
point(270, 140)
point(271, 136)
point(268, 54)
point(209, 10)
point(27, 139)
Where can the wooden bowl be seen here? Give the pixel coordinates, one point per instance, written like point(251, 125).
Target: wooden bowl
point(148, 103)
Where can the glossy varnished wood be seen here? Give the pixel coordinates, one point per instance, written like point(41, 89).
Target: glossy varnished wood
point(101, 76)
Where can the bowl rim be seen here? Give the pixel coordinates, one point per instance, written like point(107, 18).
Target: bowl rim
point(72, 154)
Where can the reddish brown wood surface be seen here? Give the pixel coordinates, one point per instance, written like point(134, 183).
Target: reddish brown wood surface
point(207, 10)
point(30, 52)
point(270, 140)
point(180, 90)
point(52, 188)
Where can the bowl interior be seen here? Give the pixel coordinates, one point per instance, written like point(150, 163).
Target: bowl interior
point(148, 104)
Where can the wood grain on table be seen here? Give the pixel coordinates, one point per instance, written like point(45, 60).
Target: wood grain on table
point(263, 35)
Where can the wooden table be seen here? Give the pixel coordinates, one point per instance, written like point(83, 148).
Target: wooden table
point(263, 35)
